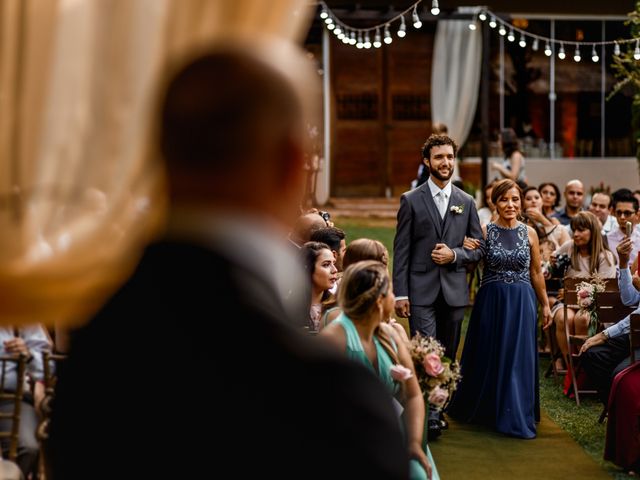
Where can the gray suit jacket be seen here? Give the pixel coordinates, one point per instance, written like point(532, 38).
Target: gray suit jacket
point(419, 229)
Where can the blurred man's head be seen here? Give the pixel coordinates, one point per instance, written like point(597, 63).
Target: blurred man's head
point(304, 227)
point(232, 129)
point(600, 203)
point(574, 194)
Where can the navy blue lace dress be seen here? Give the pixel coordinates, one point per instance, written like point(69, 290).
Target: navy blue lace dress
point(499, 386)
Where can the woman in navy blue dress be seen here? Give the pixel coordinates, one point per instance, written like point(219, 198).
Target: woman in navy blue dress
point(499, 386)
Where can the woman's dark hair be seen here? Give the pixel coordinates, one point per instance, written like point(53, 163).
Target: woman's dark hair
point(509, 141)
point(309, 253)
point(555, 189)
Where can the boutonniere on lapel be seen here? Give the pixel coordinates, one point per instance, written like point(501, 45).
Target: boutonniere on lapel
point(457, 209)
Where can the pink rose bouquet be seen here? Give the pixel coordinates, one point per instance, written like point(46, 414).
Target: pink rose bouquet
point(437, 375)
point(587, 293)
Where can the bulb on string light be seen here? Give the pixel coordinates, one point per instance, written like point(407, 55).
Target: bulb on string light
point(472, 25)
point(535, 45)
point(636, 52)
point(387, 35)
point(576, 54)
point(328, 20)
point(416, 19)
point(482, 16)
point(561, 54)
point(352, 40)
point(492, 22)
point(511, 37)
point(435, 9)
point(547, 49)
point(346, 39)
point(324, 14)
point(402, 31)
point(594, 55)
point(616, 48)
point(331, 26)
point(377, 40)
point(367, 40)
point(340, 35)
point(359, 43)
point(338, 30)
point(523, 41)
point(502, 31)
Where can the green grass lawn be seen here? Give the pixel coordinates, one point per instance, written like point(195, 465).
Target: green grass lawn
point(581, 423)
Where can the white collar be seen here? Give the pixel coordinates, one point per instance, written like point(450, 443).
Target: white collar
point(436, 189)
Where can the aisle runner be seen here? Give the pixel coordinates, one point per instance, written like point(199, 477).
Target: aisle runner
point(471, 452)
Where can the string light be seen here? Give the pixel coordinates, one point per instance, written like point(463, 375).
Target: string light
point(377, 40)
point(402, 31)
point(416, 19)
point(561, 54)
point(522, 42)
point(435, 8)
point(387, 35)
point(361, 37)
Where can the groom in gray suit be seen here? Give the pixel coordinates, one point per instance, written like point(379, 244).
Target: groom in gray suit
point(429, 264)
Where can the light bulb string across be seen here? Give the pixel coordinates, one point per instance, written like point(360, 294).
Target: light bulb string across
point(344, 26)
point(490, 15)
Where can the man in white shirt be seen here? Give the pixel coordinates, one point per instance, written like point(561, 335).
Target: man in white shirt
point(625, 209)
point(601, 207)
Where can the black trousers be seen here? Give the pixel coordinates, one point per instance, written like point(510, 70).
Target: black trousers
point(603, 362)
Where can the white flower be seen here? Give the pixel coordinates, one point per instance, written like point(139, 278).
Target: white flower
point(400, 373)
point(457, 209)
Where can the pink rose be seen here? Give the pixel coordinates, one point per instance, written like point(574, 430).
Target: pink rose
point(584, 302)
point(583, 294)
point(433, 365)
point(400, 373)
point(438, 397)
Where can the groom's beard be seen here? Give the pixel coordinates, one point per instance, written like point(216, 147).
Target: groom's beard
point(439, 176)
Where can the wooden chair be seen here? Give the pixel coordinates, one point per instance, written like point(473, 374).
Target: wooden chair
point(50, 362)
point(610, 310)
point(10, 364)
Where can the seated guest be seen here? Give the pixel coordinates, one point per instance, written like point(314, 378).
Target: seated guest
point(550, 194)
point(320, 266)
point(607, 353)
point(573, 197)
point(601, 207)
point(30, 342)
point(335, 238)
point(625, 208)
point(366, 298)
point(588, 256)
point(304, 226)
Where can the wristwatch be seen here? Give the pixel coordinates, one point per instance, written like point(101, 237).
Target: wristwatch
point(606, 335)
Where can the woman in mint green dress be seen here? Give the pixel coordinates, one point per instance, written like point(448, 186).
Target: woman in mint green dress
point(366, 298)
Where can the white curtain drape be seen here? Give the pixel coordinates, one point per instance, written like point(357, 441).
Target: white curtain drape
point(80, 190)
point(455, 76)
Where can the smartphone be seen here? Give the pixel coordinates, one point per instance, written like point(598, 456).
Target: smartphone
point(629, 228)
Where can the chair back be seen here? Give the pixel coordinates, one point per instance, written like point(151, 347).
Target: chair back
point(12, 365)
point(51, 363)
point(634, 335)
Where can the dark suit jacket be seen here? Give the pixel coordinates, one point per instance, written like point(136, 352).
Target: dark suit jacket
point(190, 370)
point(419, 228)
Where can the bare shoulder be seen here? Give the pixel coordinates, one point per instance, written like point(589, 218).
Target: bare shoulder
point(334, 334)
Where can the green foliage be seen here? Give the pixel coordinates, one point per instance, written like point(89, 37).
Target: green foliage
point(627, 70)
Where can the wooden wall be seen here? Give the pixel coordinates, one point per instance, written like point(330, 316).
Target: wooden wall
point(380, 113)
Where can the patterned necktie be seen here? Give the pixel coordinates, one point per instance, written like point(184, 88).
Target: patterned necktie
point(441, 203)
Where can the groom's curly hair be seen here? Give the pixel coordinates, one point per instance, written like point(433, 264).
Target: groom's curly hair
point(436, 140)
